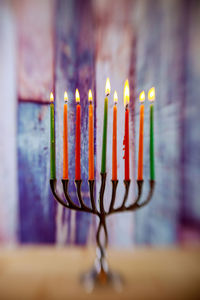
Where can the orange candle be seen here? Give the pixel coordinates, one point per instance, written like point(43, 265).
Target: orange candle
point(114, 144)
point(141, 133)
point(65, 138)
point(126, 135)
point(78, 138)
point(91, 138)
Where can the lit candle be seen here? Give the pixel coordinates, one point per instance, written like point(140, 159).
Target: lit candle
point(65, 138)
point(141, 133)
point(151, 97)
point(78, 138)
point(52, 140)
point(114, 144)
point(126, 135)
point(91, 138)
point(105, 121)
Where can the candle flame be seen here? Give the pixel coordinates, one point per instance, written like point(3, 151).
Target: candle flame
point(51, 97)
point(77, 96)
point(151, 94)
point(107, 87)
point(65, 96)
point(90, 96)
point(126, 93)
point(115, 97)
point(142, 96)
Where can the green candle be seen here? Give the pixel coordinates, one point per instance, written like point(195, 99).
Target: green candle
point(105, 122)
point(151, 96)
point(152, 170)
point(52, 140)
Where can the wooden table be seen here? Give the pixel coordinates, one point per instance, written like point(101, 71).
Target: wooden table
point(53, 273)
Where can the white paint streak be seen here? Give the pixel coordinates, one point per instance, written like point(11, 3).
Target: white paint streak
point(8, 154)
point(114, 41)
point(61, 228)
point(73, 227)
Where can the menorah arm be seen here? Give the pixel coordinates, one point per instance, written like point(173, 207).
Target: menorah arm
point(133, 206)
point(150, 194)
point(70, 204)
point(135, 203)
point(83, 205)
point(91, 188)
point(127, 186)
point(65, 183)
point(114, 190)
point(53, 183)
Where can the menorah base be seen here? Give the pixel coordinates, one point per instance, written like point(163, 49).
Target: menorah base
point(100, 275)
point(96, 279)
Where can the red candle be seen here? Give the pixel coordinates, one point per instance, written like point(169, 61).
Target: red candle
point(78, 138)
point(90, 139)
point(114, 145)
point(126, 135)
point(65, 139)
point(141, 132)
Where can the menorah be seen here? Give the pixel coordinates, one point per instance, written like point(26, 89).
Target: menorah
point(100, 273)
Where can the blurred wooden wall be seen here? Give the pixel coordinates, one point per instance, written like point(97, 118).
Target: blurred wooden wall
point(62, 45)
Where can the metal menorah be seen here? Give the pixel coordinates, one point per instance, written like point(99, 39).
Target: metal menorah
point(100, 272)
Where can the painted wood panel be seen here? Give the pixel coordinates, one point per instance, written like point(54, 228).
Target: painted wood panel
point(158, 65)
point(190, 208)
point(74, 69)
point(35, 73)
point(36, 204)
point(35, 23)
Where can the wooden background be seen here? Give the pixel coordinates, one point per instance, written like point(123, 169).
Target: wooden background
point(62, 45)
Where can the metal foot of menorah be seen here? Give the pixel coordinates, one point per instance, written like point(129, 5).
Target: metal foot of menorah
point(100, 273)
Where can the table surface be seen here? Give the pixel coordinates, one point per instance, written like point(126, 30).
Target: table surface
point(54, 273)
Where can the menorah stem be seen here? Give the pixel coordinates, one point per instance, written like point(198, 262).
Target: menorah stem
point(102, 243)
point(102, 225)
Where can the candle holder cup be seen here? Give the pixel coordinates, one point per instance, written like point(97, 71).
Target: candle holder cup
point(100, 273)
